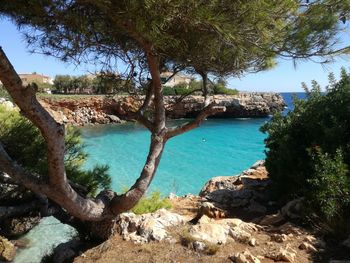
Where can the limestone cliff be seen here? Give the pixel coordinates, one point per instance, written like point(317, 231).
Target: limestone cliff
point(100, 109)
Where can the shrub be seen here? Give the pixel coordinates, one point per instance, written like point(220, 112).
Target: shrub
point(3, 92)
point(308, 151)
point(221, 89)
point(180, 89)
point(151, 203)
point(30, 151)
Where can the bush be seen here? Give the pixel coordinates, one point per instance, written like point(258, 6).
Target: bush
point(308, 152)
point(220, 89)
point(180, 89)
point(3, 92)
point(151, 204)
point(24, 143)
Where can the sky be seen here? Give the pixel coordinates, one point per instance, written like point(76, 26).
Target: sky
point(285, 77)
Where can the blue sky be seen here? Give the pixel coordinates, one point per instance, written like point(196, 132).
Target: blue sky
point(284, 78)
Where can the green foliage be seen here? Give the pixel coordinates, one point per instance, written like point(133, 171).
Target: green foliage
point(309, 151)
point(62, 83)
point(151, 203)
point(3, 92)
point(195, 87)
point(41, 87)
point(30, 151)
point(220, 89)
point(103, 83)
point(217, 37)
point(330, 183)
point(182, 89)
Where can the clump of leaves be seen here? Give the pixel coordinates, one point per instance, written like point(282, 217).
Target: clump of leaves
point(24, 143)
point(3, 92)
point(309, 152)
point(151, 203)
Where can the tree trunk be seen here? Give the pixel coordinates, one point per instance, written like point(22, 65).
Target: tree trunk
point(205, 89)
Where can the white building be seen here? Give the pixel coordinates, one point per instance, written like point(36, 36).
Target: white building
point(178, 78)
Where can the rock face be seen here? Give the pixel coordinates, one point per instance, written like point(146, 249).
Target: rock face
point(13, 195)
point(244, 193)
point(243, 105)
point(102, 110)
point(147, 227)
point(82, 111)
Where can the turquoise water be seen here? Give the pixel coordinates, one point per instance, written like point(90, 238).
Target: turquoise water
point(43, 238)
point(218, 147)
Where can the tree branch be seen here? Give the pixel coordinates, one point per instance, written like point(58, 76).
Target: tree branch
point(207, 111)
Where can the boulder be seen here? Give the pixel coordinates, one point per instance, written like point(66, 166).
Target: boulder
point(244, 257)
point(293, 209)
point(279, 238)
point(240, 235)
point(210, 210)
point(246, 194)
point(307, 247)
point(14, 227)
point(7, 250)
point(113, 118)
point(220, 182)
point(273, 219)
point(283, 254)
point(147, 227)
point(209, 232)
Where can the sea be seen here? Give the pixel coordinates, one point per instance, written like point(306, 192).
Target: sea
point(219, 147)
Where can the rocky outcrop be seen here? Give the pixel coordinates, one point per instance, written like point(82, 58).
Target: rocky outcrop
point(7, 250)
point(147, 227)
point(242, 105)
point(82, 111)
point(14, 198)
point(245, 195)
point(101, 110)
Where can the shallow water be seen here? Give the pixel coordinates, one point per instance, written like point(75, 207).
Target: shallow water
point(218, 147)
point(42, 239)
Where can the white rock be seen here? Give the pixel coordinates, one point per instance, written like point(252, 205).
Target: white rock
point(252, 242)
point(240, 235)
point(307, 247)
point(245, 257)
point(213, 233)
point(198, 246)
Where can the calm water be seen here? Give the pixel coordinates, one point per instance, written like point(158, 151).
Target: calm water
point(218, 147)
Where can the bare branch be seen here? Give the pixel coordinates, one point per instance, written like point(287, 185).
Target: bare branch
point(207, 111)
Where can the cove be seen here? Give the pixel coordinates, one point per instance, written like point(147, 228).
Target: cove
point(218, 147)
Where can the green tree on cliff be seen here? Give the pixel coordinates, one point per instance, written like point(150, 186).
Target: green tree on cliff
point(224, 38)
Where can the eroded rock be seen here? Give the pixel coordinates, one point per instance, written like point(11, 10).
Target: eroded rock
point(244, 257)
point(147, 227)
point(7, 250)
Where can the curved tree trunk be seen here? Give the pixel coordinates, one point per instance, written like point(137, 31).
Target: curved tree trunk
point(96, 214)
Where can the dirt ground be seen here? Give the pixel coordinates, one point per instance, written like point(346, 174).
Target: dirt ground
point(118, 250)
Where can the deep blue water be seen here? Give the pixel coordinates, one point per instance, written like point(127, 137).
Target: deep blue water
point(218, 147)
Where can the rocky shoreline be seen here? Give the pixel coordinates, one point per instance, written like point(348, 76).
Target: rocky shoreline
point(89, 110)
point(231, 218)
